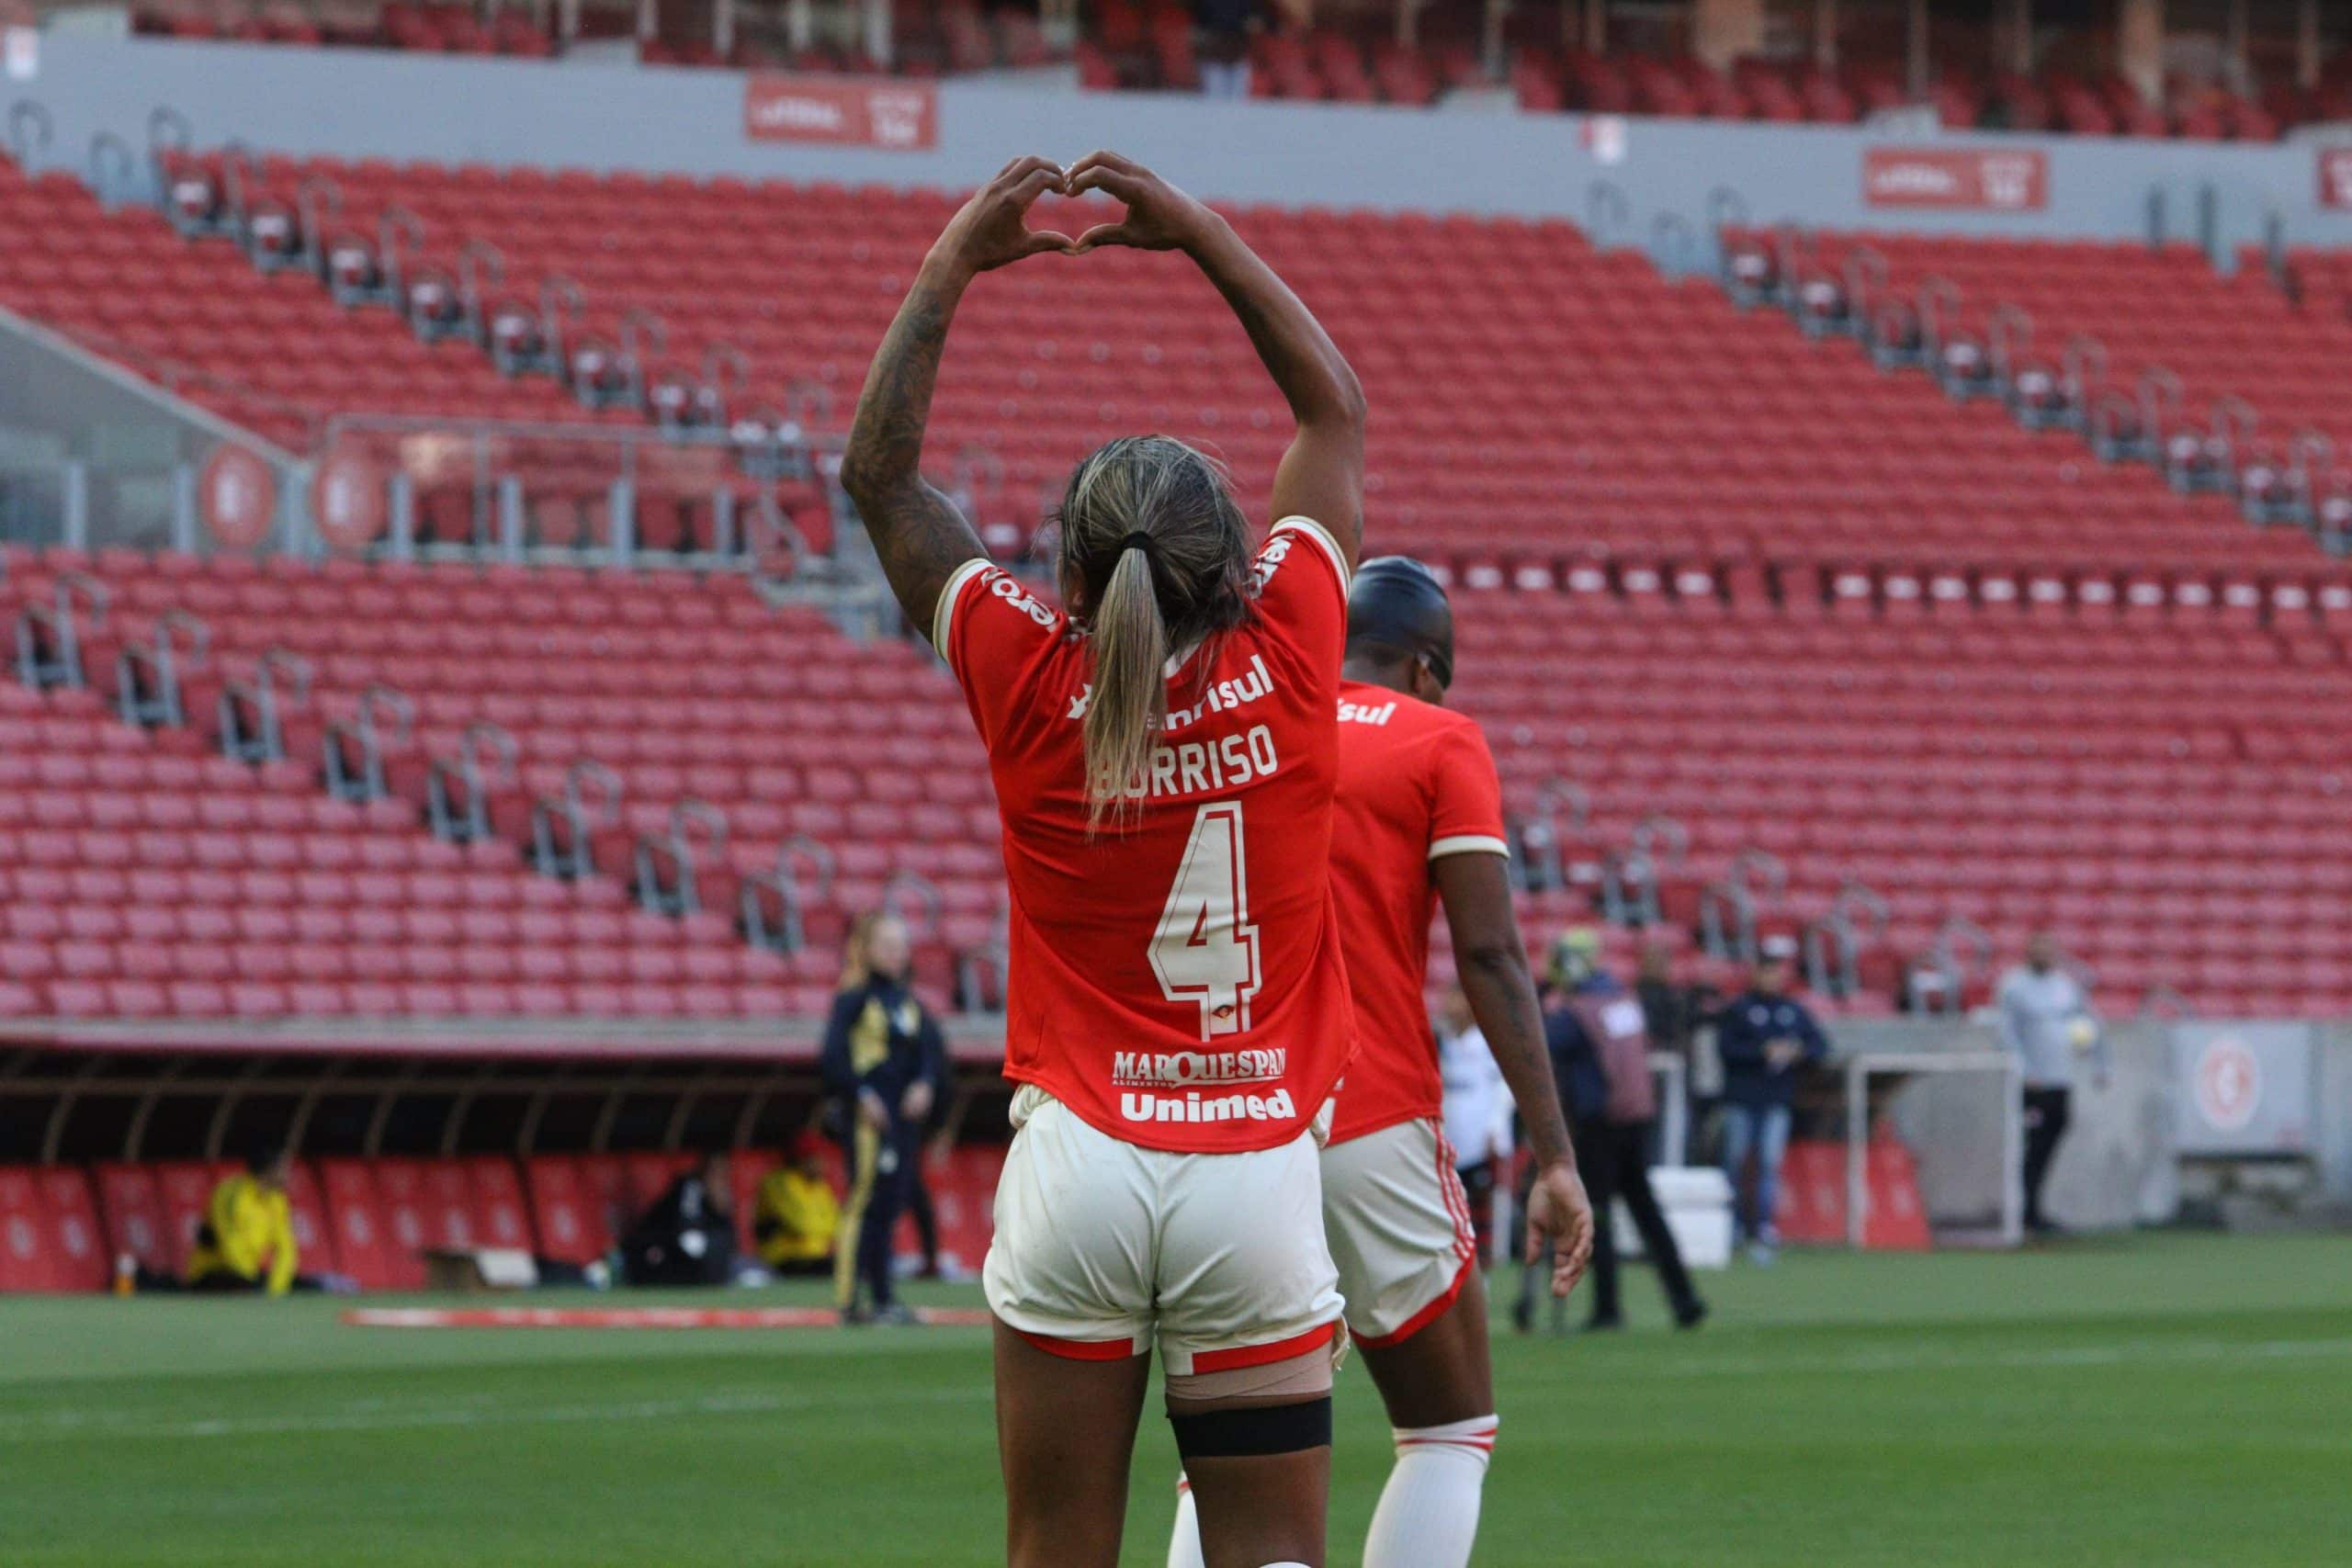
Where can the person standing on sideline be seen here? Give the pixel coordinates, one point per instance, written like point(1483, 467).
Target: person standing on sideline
point(1599, 1020)
point(1476, 1115)
point(884, 1065)
point(1762, 1036)
point(2045, 1019)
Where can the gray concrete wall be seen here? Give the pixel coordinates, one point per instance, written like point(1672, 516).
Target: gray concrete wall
point(353, 103)
point(2118, 1165)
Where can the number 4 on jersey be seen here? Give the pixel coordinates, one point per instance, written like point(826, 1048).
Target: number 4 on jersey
point(1206, 949)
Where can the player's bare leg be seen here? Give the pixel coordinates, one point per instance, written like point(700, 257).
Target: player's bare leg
point(1442, 1373)
point(1253, 1509)
point(1065, 1433)
point(1438, 1386)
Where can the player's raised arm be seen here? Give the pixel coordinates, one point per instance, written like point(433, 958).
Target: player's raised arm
point(1491, 959)
point(917, 530)
point(1321, 476)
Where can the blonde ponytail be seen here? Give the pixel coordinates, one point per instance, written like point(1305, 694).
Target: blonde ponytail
point(1123, 717)
point(1155, 557)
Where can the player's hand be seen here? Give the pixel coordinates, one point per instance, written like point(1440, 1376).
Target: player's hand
point(915, 1104)
point(1779, 1053)
point(992, 229)
point(1158, 216)
point(872, 1110)
point(1558, 1211)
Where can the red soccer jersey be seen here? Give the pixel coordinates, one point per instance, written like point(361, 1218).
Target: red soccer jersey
point(1176, 975)
point(1417, 782)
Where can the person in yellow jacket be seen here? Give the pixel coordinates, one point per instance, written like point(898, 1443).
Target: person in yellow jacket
point(246, 1240)
point(798, 1218)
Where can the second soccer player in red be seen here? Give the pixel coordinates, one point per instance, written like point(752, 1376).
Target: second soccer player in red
point(1419, 821)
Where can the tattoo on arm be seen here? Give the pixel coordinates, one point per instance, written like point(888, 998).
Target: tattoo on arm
point(918, 533)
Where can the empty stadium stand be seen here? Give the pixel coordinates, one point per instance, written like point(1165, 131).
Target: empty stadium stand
point(1758, 556)
point(2234, 359)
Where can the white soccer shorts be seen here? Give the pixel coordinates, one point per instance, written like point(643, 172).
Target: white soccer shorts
point(1399, 1225)
point(1104, 1248)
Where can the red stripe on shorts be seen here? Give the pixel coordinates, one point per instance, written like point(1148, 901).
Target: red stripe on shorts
point(1427, 1315)
point(1260, 1355)
point(1081, 1349)
point(1457, 1204)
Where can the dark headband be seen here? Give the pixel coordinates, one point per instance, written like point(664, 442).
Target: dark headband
point(1398, 603)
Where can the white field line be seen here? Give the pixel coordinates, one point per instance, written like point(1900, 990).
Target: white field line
point(1916, 1358)
point(485, 1410)
point(376, 1416)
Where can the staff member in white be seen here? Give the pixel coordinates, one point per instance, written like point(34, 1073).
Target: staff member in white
point(1478, 1111)
point(2045, 1019)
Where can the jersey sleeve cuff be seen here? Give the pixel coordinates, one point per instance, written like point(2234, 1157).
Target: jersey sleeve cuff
point(942, 615)
point(1469, 844)
point(1309, 528)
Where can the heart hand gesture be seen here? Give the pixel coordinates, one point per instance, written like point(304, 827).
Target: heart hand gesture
point(992, 230)
point(1158, 216)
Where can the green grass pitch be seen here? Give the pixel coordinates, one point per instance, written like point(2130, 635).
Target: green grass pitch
point(2163, 1399)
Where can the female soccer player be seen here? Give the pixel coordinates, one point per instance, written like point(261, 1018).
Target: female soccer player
point(1164, 753)
point(1420, 823)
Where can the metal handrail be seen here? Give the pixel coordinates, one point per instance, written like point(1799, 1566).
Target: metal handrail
point(1606, 208)
point(24, 114)
point(475, 257)
point(168, 131)
point(318, 202)
point(2084, 354)
point(471, 821)
point(1935, 294)
point(269, 743)
point(577, 858)
point(398, 232)
point(925, 891)
point(791, 896)
point(367, 729)
point(1866, 273)
point(164, 663)
point(682, 896)
point(126, 163)
point(2008, 337)
point(1672, 235)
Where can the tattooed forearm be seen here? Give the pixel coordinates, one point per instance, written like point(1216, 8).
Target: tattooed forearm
point(917, 532)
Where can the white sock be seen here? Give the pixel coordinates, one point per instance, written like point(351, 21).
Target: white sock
point(1184, 1544)
point(1427, 1516)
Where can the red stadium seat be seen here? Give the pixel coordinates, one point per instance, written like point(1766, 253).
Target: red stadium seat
point(367, 1240)
point(569, 1220)
point(28, 1249)
point(134, 1216)
point(502, 1215)
point(185, 1188)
